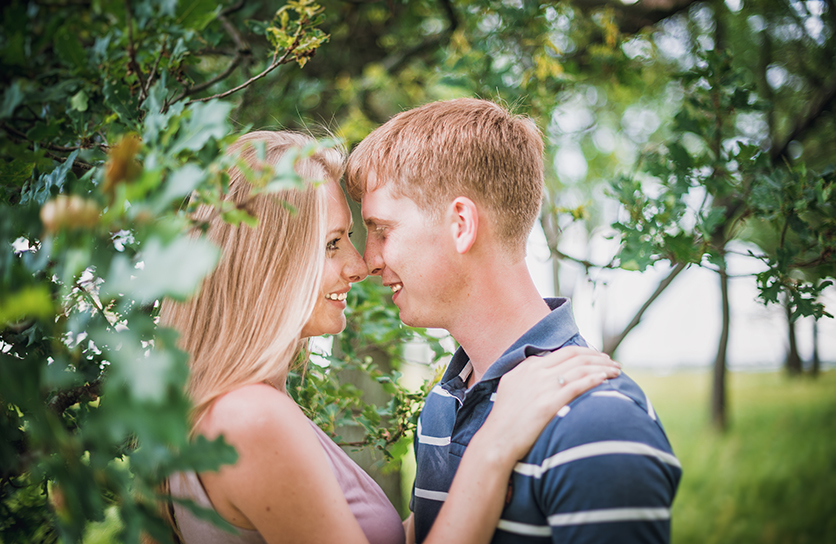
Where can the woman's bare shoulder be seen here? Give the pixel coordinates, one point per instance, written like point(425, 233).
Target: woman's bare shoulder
point(250, 410)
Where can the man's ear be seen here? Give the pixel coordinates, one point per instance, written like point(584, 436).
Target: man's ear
point(464, 223)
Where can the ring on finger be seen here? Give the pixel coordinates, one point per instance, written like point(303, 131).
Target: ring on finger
point(561, 381)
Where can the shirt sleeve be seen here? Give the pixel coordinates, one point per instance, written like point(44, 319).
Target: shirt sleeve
point(608, 475)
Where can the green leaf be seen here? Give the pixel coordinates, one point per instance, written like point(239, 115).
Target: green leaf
point(196, 14)
point(79, 101)
point(68, 47)
point(173, 270)
point(156, 123)
point(45, 131)
point(48, 184)
point(12, 98)
point(206, 120)
point(235, 217)
point(16, 172)
point(32, 301)
point(118, 96)
point(182, 182)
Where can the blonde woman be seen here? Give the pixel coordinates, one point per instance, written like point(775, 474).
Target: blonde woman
point(277, 285)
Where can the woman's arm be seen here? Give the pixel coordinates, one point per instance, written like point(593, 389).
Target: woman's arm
point(528, 398)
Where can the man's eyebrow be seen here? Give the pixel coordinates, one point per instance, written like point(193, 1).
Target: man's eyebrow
point(372, 221)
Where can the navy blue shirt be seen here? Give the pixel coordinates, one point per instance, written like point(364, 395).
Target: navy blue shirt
point(601, 471)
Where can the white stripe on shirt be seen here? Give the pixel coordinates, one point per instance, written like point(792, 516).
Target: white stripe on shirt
point(431, 495)
point(609, 515)
point(431, 440)
point(524, 528)
point(438, 390)
point(614, 394)
point(594, 449)
point(650, 411)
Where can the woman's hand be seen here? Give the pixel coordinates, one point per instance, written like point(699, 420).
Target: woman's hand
point(529, 396)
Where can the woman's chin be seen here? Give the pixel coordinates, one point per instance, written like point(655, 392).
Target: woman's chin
point(331, 329)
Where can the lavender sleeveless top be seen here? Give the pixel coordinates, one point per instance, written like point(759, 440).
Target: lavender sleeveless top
point(376, 515)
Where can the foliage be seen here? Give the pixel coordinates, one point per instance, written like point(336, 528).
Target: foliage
point(711, 182)
point(770, 478)
point(109, 128)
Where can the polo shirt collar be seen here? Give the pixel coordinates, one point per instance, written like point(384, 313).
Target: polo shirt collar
point(549, 334)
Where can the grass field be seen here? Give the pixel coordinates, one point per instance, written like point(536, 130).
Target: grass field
point(772, 477)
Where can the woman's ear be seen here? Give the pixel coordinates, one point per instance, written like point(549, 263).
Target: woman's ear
point(464, 223)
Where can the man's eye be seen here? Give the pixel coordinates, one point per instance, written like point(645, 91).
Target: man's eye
point(332, 245)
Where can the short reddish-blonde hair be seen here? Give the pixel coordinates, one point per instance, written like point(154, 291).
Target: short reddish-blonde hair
point(462, 147)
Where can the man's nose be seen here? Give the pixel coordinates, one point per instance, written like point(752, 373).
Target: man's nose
point(374, 261)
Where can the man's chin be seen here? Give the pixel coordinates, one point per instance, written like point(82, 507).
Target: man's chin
point(411, 320)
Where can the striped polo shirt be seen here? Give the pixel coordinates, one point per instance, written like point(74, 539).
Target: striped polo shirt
point(601, 471)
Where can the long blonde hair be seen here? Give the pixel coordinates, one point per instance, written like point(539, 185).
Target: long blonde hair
point(244, 325)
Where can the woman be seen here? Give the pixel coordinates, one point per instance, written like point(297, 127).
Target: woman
point(282, 282)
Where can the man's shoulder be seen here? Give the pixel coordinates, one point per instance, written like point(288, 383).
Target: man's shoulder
point(617, 416)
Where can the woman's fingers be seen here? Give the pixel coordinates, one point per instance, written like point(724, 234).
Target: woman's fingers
point(581, 385)
point(574, 356)
point(531, 394)
point(580, 372)
point(565, 360)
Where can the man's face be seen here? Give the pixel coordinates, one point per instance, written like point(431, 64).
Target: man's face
point(410, 251)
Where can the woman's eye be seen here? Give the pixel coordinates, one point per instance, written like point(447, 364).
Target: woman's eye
point(332, 245)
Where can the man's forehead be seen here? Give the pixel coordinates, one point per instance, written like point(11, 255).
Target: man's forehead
point(378, 204)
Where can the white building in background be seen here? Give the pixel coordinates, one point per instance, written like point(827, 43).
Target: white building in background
point(682, 327)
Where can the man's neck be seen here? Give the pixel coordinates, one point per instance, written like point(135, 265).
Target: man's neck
point(490, 324)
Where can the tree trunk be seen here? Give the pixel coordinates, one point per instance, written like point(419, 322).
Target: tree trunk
point(793, 361)
point(814, 371)
point(556, 275)
point(718, 394)
point(719, 239)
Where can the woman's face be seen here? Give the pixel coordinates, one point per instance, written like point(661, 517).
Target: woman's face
point(343, 266)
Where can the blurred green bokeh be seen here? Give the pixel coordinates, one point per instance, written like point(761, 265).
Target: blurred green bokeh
point(771, 478)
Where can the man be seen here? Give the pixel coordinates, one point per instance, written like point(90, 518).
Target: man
point(450, 192)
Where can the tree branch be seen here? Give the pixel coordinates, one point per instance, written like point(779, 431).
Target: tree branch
point(64, 399)
point(243, 50)
point(132, 51)
point(611, 343)
point(53, 147)
point(276, 63)
point(153, 73)
point(229, 10)
point(634, 17)
point(805, 122)
point(31, 145)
